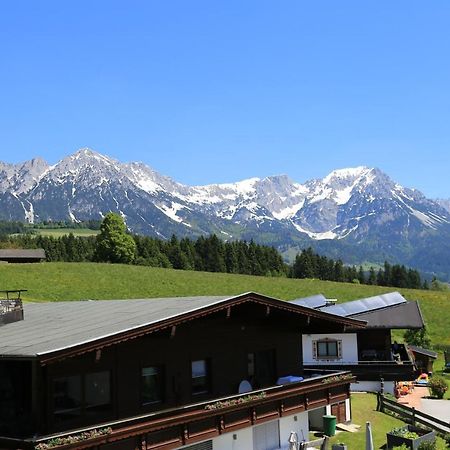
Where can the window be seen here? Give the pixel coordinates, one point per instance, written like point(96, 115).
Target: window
point(97, 392)
point(200, 376)
point(261, 368)
point(327, 349)
point(78, 396)
point(67, 398)
point(151, 385)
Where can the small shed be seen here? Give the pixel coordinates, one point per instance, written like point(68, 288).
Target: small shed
point(14, 255)
point(423, 357)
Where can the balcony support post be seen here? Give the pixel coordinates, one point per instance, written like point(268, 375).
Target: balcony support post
point(221, 424)
point(281, 409)
point(253, 416)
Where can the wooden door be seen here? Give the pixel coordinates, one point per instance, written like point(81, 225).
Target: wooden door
point(339, 410)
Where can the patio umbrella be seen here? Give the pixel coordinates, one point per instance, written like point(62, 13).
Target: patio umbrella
point(369, 439)
point(293, 441)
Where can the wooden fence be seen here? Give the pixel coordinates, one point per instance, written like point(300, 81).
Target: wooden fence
point(411, 415)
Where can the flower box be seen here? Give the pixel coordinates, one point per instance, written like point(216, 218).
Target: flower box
point(410, 436)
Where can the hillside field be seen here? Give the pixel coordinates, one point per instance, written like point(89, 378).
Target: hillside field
point(78, 281)
point(58, 232)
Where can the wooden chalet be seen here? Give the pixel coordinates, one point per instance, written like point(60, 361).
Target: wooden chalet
point(14, 255)
point(175, 373)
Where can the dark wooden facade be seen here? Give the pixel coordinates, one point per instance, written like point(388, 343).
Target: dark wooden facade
point(223, 339)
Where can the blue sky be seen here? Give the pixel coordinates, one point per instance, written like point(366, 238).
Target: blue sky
point(217, 91)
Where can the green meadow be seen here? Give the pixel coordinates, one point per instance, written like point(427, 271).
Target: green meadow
point(364, 410)
point(58, 232)
point(77, 281)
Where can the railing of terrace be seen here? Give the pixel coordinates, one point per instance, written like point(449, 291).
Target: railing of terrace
point(11, 307)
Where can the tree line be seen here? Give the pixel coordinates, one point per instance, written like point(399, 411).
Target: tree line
point(210, 254)
point(309, 264)
point(115, 245)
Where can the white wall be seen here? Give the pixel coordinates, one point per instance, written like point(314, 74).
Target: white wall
point(372, 386)
point(349, 348)
point(243, 439)
point(296, 422)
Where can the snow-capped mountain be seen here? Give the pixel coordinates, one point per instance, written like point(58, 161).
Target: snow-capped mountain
point(445, 203)
point(359, 205)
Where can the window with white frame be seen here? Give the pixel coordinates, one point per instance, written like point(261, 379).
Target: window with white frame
point(327, 349)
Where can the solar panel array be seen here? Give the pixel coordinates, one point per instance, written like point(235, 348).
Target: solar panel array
point(365, 305)
point(315, 301)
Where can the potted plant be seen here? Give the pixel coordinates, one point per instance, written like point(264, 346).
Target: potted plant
point(410, 436)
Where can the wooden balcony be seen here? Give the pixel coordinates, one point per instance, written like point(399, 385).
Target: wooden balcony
point(375, 370)
point(172, 428)
point(375, 365)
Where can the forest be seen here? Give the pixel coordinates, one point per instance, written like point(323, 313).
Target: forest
point(210, 254)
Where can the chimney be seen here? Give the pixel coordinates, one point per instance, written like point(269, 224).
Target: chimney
point(11, 308)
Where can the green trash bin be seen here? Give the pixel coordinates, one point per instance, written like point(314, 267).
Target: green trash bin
point(329, 425)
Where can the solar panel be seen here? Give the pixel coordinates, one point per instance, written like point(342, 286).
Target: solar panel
point(365, 304)
point(314, 301)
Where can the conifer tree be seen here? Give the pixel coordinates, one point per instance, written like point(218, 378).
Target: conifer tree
point(114, 244)
point(361, 275)
point(372, 280)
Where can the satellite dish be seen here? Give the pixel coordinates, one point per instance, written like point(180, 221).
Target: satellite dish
point(244, 386)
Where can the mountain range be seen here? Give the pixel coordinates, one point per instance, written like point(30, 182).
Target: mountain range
point(358, 214)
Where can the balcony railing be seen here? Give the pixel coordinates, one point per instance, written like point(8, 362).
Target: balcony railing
point(373, 370)
point(11, 308)
point(171, 428)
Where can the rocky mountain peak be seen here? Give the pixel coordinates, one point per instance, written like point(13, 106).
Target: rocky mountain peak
point(352, 204)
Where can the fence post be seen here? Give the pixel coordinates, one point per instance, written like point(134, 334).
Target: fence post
point(413, 417)
point(380, 403)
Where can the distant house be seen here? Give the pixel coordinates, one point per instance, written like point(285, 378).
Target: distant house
point(423, 357)
point(12, 255)
point(368, 353)
point(191, 373)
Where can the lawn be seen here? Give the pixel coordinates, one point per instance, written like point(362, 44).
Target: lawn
point(438, 368)
point(58, 232)
point(364, 410)
point(76, 281)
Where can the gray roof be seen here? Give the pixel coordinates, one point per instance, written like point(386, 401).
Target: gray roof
point(54, 326)
point(59, 326)
point(38, 253)
point(402, 316)
point(423, 351)
point(314, 301)
point(350, 309)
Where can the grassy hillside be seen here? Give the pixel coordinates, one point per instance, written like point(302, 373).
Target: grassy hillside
point(75, 281)
point(58, 232)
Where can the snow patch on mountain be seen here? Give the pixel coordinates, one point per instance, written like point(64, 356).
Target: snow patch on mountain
point(316, 236)
point(87, 185)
